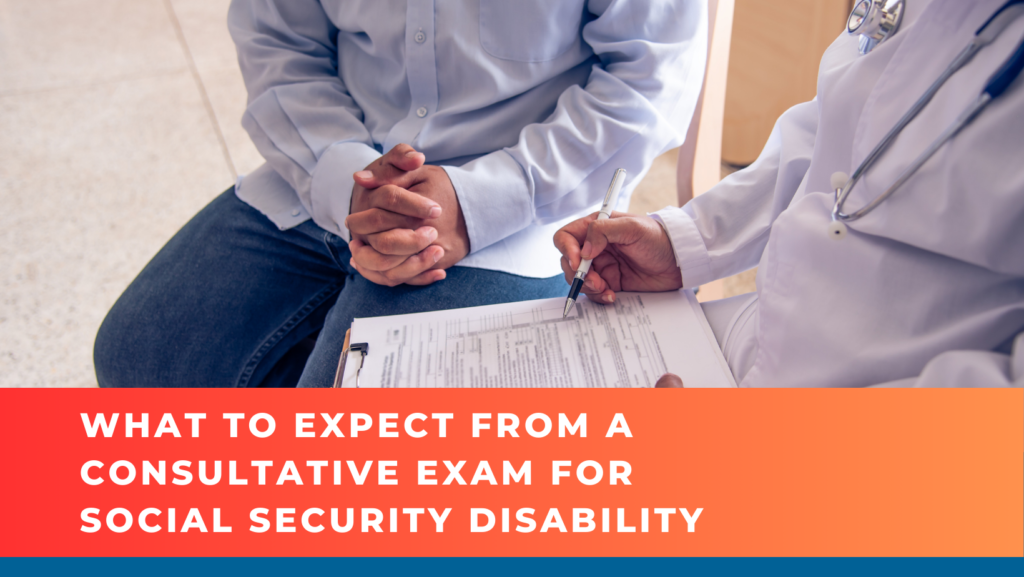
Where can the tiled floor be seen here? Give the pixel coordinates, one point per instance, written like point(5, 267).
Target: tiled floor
point(119, 119)
point(117, 122)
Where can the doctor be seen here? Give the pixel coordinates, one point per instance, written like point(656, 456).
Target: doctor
point(926, 288)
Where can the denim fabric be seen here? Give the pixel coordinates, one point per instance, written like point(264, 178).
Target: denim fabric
point(232, 301)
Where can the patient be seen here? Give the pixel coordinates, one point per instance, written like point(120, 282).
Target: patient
point(925, 290)
point(419, 157)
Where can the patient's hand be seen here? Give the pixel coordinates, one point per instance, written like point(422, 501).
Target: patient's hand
point(405, 221)
point(630, 252)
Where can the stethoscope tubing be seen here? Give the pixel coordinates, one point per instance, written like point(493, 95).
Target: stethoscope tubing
point(1000, 81)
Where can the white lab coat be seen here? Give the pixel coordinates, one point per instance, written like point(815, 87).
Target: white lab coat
point(926, 290)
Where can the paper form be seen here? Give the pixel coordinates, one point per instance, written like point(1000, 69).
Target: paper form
point(528, 344)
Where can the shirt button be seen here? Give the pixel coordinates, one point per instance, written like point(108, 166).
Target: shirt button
point(420, 37)
point(421, 111)
point(295, 212)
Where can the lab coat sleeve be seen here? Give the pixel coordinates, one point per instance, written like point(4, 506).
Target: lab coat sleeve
point(636, 103)
point(300, 115)
point(724, 231)
point(970, 369)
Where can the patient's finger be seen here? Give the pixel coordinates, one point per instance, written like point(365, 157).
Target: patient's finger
point(414, 270)
point(392, 168)
point(402, 241)
point(415, 265)
point(368, 258)
point(401, 201)
point(428, 277)
point(374, 220)
point(404, 157)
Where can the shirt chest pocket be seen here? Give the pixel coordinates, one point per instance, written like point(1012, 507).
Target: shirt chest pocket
point(529, 30)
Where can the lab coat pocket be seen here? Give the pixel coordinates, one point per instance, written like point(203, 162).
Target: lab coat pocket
point(529, 30)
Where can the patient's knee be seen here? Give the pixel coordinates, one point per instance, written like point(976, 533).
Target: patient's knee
point(116, 353)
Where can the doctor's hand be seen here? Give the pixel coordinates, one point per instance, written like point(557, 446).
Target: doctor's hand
point(669, 381)
point(405, 220)
point(630, 252)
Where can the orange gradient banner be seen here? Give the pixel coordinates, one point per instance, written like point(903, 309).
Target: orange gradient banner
point(751, 472)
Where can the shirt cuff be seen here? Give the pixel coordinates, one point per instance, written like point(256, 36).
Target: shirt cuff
point(691, 253)
point(494, 197)
point(331, 189)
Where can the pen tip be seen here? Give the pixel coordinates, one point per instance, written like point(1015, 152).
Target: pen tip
point(568, 307)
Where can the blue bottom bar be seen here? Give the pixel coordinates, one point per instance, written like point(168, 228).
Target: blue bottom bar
point(518, 567)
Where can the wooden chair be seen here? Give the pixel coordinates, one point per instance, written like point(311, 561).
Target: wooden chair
point(700, 157)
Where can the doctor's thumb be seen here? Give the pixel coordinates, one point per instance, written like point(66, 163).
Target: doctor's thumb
point(669, 381)
point(619, 229)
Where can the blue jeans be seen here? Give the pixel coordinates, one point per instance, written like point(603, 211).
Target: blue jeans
point(232, 301)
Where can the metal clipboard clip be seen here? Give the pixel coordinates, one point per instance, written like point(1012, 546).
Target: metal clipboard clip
point(348, 348)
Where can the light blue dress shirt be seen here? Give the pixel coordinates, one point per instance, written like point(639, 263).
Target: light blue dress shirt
point(529, 105)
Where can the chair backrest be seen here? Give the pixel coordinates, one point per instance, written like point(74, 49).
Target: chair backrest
point(700, 156)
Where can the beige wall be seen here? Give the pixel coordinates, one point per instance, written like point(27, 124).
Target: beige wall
point(773, 64)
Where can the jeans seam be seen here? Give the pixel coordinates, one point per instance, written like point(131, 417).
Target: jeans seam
point(332, 251)
point(284, 329)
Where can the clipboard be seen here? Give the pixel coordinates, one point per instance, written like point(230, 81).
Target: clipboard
point(529, 344)
point(347, 349)
point(342, 359)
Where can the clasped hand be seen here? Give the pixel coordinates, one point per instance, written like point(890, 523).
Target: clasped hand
point(405, 220)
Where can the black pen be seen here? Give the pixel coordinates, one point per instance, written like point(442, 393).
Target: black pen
point(610, 198)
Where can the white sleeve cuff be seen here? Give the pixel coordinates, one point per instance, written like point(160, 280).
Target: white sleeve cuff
point(494, 197)
point(331, 190)
point(691, 253)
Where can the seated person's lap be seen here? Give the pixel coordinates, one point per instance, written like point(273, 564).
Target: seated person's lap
point(231, 301)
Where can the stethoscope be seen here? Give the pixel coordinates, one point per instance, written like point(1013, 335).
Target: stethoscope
point(877, 20)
